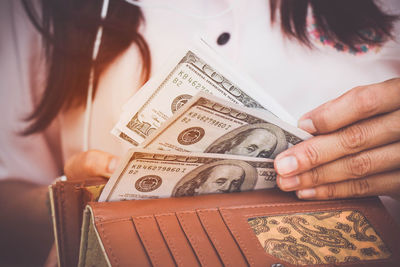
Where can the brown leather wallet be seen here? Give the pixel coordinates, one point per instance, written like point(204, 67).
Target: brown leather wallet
point(67, 201)
point(258, 228)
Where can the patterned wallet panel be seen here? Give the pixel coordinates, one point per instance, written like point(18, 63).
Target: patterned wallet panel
point(319, 237)
point(245, 230)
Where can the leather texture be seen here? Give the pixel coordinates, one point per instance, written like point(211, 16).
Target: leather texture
point(217, 230)
point(69, 200)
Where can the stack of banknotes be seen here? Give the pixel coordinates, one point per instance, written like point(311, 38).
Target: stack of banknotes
point(199, 126)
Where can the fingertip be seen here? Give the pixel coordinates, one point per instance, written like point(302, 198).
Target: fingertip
point(308, 193)
point(112, 165)
point(289, 183)
point(279, 182)
point(307, 125)
point(285, 165)
point(305, 116)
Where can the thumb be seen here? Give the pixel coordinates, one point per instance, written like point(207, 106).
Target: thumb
point(91, 163)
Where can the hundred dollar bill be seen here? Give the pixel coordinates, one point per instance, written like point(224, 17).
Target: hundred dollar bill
point(123, 136)
point(212, 125)
point(191, 71)
point(145, 174)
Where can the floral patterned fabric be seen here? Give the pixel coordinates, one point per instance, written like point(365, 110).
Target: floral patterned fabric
point(319, 237)
point(320, 39)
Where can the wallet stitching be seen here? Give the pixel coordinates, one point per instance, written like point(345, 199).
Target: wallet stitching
point(86, 243)
point(232, 208)
point(239, 240)
point(378, 229)
point(86, 246)
point(211, 234)
point(194, 244)
point(363, 211)
point(305, 203)
point(144, 239)
point(318, 206)
point(392, 224)
point(286, 204)
point(168, 237)
point(226, 216)
point(239, 243)
point(288, 212)
point(108, 244)
point(113, 220)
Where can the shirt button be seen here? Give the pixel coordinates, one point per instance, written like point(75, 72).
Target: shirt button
point(223, 38)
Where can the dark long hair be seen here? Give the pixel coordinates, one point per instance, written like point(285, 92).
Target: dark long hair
point(69, 27)
point(347, 22)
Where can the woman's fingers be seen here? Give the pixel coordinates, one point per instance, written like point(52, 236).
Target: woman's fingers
point(377, 131)
point(380, 184)
point(92, 163)
point(357, 104)
point(356, 152)
point(378, 160)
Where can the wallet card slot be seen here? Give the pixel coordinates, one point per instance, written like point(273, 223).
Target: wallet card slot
point(225, 244)
point(248, 237)
point(153, 241)
point(176, 240)
point(198, 239)
point(121, 248)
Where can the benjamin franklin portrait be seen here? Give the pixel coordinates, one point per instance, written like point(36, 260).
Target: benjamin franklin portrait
point(263, 140)
point(223, 176)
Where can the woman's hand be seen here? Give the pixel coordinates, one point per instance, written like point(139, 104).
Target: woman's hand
point(356, 150)
point(90, 164)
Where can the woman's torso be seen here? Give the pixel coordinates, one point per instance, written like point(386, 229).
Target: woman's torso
point(298, 77)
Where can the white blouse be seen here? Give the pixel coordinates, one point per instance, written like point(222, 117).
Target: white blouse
point(299, 78)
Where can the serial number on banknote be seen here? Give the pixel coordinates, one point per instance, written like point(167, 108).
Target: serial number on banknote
point(207, 119)
point(183, 78)
point(156, 168)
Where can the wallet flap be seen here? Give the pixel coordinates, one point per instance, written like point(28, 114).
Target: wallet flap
point(67, 213)
point(153, 241)
point(123, 243)
point(91, 251)
point(258, 228)
point(68, 200)
point(53, 202)
point(177, 242)
point(309, 233)
point(198, 238)
point(166, 205)
point(223, 241)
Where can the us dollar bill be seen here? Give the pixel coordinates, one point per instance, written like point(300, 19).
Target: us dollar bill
point(145, 174)
point(211, 125)
point(123, 136)
point(165, 93)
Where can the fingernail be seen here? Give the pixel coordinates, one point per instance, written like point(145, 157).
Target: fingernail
point(306, 193)
point(289, 182)
point(112, 165)
point(286, 165)
point(307, 125)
